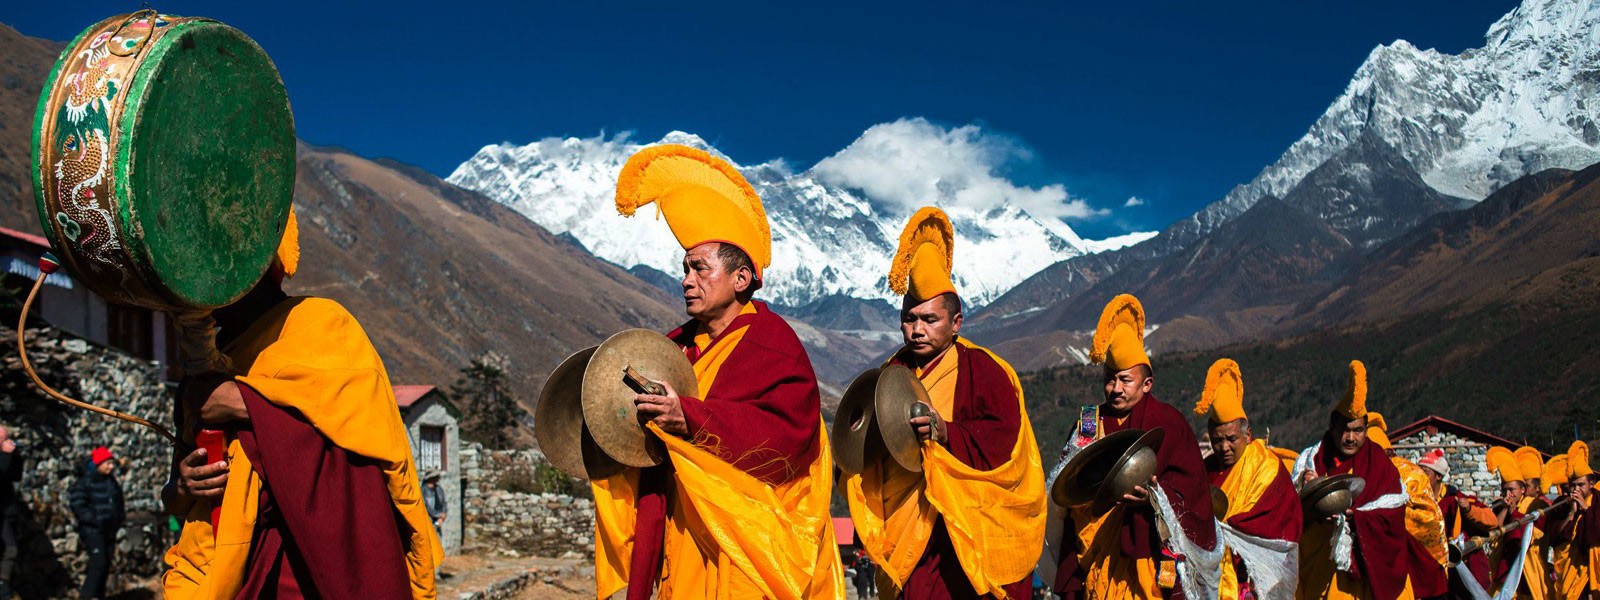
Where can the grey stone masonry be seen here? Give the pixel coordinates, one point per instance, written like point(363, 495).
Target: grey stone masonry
point(1466, 458)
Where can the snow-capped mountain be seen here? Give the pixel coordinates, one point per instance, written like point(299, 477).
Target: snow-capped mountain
point(828, 239)
point(1468, 123)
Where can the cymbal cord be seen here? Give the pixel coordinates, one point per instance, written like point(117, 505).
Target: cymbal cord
point(47, 265)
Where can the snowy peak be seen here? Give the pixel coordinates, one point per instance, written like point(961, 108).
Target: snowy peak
point(1468, 123)
point(834, 226)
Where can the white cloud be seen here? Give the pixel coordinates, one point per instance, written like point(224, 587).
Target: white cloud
point(1133, 201)
point(912, 163)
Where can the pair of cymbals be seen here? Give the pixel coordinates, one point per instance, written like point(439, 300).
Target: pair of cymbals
point(586, 421)
point(1101, 473)
point(874, 420)
point(1331, 495)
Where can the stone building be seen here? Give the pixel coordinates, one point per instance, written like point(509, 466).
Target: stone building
point(432, 423)
point(1464, 447)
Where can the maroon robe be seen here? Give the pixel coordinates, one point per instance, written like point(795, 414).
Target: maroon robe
point(1181, 473)
point(763, 412)
point(1477, 562)
point(982, 432)
point(1384, 550)
point(326, 527)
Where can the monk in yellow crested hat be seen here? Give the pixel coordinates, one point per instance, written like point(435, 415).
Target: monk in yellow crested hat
point(1098, 564)
point(704, 199)
point(971, 524)
point(307, 421)
point(1520, 495)
point(740, 509)
point(1262, 501)
point(1385, 559)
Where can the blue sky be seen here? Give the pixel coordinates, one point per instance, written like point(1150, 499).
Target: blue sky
point(1174, 103)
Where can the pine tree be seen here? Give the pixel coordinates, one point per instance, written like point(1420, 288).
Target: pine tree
point(490, 413)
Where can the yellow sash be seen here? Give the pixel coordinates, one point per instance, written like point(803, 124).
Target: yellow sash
point(729, 535)
point(1424, 517)
point(311, 355)
point(1246, 482)
point(995, 518)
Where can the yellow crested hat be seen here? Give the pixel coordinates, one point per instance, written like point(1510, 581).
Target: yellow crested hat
point(1223, 397)
point(1555, 471)
point(1378, 430)
point(288, 255)
point(922, 263)
point(1578, 460)
point(1354, 404)
point(1500, 461)
point(1529, 461)
point(703, 198)
point(1119, 338)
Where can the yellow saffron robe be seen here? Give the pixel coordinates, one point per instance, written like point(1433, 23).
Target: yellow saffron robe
point(311, 355)
point(729, 535)
point(1424, 518)
point(1571, 578)
point(995, 518)
point(1245, 485)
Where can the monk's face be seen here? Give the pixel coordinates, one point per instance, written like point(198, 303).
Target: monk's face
point(710, 289)
point(1434, 478)
point(1580, 487)
point(1126, 388)
point(1513, 492)
point(1228, 440)
point(1347, 435)
point(930, 327)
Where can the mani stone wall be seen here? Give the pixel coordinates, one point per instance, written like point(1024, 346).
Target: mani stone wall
point(55, 442)
point(516, 501)
point(1466, 458)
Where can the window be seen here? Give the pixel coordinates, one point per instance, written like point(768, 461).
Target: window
point(430, 454)
point(128, 329)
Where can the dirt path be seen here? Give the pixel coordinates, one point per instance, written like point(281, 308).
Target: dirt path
point(553, 578)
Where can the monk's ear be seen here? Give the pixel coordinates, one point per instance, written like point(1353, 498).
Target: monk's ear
point(955, 324)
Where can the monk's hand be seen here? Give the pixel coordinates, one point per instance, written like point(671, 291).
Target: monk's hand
point(1463, 502)
point(1140, 493)
point(196, 479)
point(665, 411)
point(7, 445)
point(931, 427)
point(216, 397)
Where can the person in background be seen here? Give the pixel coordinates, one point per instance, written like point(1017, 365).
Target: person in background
point(863, 577)
point(433, 498)
point(97, 503)
point(10, 474)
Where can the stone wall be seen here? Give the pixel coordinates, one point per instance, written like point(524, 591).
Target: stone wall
point(1466, 458)
point(56, 440)
point(515, 500)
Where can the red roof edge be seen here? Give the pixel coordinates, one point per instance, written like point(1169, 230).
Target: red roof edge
point(406, 395)
point(37, 240)
point(1472, 433)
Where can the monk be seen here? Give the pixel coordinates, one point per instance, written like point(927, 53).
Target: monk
point(1585, 528)
point(1568, 566)
point(1379, 561)
point(1519, 497)
point(1424, 519)
point(972, 523)
point(1262, 502)
point(1120, 554)
point(317, 495)
point(741, 508)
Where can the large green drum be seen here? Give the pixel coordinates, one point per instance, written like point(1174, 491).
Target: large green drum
point(164, 159)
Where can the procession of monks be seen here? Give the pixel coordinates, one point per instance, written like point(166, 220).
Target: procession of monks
point(318, 496)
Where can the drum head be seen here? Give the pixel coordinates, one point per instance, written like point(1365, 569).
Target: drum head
point(608, 407)
point(165, 161)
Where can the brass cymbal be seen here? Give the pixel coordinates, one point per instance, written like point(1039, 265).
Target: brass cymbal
point(1219, 502)
point(854, 425)
point(1331, 495)
point(608, 407)
point(1105, 470)
point(558, 423)
point(895, 396)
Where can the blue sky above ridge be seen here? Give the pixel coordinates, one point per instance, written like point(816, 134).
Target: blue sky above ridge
point(1171, 103)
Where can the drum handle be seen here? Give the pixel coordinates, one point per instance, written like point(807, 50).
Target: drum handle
point(131, 18)
point(48, 265)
